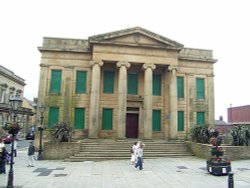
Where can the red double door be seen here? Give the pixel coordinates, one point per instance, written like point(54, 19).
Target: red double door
point(132, 126)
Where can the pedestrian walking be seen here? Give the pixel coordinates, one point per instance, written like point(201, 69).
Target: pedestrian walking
point(14, 147)
point(139, 162)
point(31, 155)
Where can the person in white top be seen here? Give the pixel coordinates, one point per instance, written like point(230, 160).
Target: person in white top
point(2, 145)
point(14, 147)
point(133, 152)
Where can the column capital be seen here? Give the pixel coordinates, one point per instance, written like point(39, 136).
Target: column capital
point(173, 68)
point(148, 65)
point(123, 63)
point(92, 63)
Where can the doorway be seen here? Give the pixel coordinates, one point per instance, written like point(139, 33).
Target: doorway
point(132, 125)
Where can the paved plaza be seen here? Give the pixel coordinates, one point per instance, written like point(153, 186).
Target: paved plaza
point(189, 172)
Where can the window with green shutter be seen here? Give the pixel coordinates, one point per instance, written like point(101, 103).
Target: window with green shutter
point(157, 84)
point(156, 120)
point(81, 81)
point(180, 121)
point(133, 83)
point(55, 82)
point(107, 119)
point(200, 118)
point(79, 122)
point(180, 87)
point(53, 116)
point(108, 82)
point(200, 88)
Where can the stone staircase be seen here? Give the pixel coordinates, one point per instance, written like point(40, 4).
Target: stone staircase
point(104, 149)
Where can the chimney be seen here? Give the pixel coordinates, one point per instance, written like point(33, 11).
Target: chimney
point(221, 118)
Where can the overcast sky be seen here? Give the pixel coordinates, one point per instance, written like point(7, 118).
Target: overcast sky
point(218, 25)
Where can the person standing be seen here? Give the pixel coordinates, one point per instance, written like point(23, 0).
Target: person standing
point(31, 155)
point(4, 157)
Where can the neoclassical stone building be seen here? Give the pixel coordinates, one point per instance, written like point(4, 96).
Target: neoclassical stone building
point(131, 83)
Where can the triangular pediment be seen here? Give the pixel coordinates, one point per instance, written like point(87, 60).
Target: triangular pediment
point(136, 36)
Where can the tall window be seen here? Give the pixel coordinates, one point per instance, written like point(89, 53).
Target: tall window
point(133, 83)
point(53, 116)
point(55, 83)
point(180, 87)
point(180, 121)
point(108, 82)
point(107, 119)
point(81, 81)
point(79, 122)
point(200, 118)
point(157, 84)
point(156, 120)
point(200, 88)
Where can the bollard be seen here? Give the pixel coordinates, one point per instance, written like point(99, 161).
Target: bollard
point(230, 180)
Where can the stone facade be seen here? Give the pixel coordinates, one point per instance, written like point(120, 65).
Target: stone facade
point(126, 53)
point(11, 85)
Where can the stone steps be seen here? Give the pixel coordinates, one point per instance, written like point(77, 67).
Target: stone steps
point(97, 150)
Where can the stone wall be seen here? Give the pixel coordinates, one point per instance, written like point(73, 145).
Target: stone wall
point(231, 152)
point(60, 150)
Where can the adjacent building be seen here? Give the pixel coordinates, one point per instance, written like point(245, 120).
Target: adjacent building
point(239, 115)
point(131, 83)
point(11, 85)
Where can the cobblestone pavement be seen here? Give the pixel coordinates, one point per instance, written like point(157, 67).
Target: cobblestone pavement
point(188, 172)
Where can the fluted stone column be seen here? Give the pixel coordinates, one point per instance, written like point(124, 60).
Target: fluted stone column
point(173, 103)
point(94, 99)
point(122, 99)
point(210, 98)
point(148, 92)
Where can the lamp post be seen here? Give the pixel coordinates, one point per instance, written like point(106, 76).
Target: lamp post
point(40, 129)
point(15, 103)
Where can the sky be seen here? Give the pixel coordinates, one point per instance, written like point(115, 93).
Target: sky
point(218, 25)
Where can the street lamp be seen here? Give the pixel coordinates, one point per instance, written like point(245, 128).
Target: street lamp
point(40, 129)
point(15, 103)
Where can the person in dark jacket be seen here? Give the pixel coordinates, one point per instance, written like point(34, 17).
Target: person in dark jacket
point(4, 157)
point(31, 155)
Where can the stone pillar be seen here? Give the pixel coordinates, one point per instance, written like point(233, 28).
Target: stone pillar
point(94, 99)
point(148, 92)
point(122, 99)
point(210, 98)
point(173, 103)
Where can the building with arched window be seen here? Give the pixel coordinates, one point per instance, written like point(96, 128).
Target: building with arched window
point(131, 83)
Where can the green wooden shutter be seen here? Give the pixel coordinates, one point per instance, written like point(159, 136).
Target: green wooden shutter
point(180, 87)
point(133, 83)
point(55, 84)
point(180, 121)
point(79, 122)
point(157, 85)
point(53, 116)
point(200, 88)
point(107, 119)
point(108, 85)
point(200, 118)
point(81, 81)
point(156, 120)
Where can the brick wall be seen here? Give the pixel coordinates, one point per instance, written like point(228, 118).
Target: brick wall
point(231, 152)
point(60, 150)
